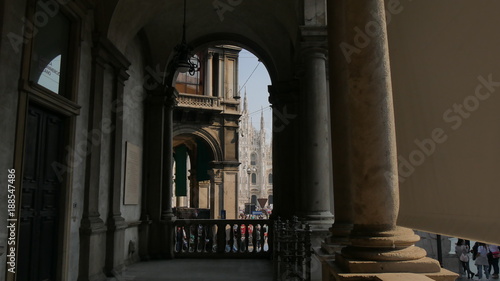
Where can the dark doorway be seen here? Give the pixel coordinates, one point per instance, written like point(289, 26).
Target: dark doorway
point(38, 240)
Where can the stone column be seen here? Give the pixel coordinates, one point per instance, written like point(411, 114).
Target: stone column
point(339, 232)
point(316, 151)
point(286, 170)
point(115, 237)
point(209, 75)
point(167, 216)
point(377, 244)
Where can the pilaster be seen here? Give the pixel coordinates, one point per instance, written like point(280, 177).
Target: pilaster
point(92, 228)
point(215, 194)
point(115, 237)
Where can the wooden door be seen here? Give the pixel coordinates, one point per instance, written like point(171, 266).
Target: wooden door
point(40, 206)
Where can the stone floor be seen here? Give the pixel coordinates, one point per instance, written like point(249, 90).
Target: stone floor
point(475, 278)
point(199, 269)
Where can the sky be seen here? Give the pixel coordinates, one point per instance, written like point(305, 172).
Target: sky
point(256, 88)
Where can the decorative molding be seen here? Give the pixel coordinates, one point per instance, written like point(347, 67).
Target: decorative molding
point(51, 100)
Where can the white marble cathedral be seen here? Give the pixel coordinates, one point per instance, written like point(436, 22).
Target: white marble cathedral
point(256, 174)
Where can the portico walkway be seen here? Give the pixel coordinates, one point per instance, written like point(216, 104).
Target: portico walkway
point(200, 269)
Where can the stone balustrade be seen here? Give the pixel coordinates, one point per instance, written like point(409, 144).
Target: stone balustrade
point(202, 238)
point(198, 101)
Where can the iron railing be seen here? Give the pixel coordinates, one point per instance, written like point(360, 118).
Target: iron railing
point(292, 250)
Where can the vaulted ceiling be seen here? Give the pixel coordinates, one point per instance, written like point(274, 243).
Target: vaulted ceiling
point(270, 29)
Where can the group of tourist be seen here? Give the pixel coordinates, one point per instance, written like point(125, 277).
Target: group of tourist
point(485, 258)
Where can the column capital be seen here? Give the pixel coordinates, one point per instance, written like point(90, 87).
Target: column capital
point(314, 37)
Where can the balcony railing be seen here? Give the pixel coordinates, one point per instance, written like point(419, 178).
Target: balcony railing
point(198, 101)
point(223, 238)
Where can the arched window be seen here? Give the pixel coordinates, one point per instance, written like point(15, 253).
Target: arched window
point(51, 51)
point(254, 178)
point(270, 179)
point(253, 159)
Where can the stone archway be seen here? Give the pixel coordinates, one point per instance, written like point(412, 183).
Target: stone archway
point(199, 187)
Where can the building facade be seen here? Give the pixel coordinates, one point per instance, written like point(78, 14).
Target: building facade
point(206, 136)
point(256, 169)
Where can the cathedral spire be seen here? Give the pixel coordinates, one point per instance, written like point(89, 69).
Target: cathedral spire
point(245, 102)
point(263, 139)
point(261, 119)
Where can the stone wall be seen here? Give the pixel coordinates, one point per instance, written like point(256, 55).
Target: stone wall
point(133, 127)
point(10, 65)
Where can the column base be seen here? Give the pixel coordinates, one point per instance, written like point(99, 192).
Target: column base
point(425, 269)
point(340, 233)
point(320, 223)
point(331, 249)
point(423, 265)
point(318, 220)
point(144, 238)
point(115, 243)
point(92, 249)
point(396, 244)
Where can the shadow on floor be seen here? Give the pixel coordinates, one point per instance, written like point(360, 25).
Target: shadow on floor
point(200, 269)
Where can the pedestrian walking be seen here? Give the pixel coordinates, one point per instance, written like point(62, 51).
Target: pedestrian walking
point(481, 262)
point(462, 250)
point(493, 256)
